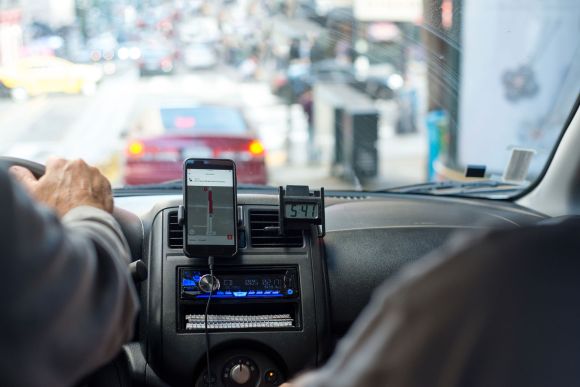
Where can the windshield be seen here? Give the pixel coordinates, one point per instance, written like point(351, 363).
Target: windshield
point(349, 94)
point(207, 119)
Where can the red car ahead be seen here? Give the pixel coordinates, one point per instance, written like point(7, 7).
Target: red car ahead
point(165, 137)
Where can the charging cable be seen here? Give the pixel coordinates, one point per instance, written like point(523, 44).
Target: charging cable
point(207, 347)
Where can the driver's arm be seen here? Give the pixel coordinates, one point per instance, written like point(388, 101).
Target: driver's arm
point(66, 296)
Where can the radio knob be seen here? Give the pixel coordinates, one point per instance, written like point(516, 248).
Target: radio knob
point(240, 373)
point(206, 281)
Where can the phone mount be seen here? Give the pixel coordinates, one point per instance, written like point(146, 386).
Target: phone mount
point(300, 209)
point(181, 215)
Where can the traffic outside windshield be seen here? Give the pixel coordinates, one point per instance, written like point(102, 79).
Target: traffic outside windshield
point(345, 94)
point(204, 119)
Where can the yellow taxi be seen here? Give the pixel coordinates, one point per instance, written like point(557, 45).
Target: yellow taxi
point(33, 76)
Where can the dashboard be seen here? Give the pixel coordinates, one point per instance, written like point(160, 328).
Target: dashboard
point(284, 301)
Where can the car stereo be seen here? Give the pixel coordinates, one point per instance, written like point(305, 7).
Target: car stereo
point(247, 298)
point(256, 284)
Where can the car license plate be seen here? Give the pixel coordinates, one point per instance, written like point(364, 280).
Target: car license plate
point(200, 152)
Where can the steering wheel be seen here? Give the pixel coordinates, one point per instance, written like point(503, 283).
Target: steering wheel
point(130, 223)
point(37, 169)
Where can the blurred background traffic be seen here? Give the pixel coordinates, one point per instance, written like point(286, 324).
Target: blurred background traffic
point(341, 93)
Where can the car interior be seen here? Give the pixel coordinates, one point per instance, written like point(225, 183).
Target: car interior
point(365, 138)
point(369, 237)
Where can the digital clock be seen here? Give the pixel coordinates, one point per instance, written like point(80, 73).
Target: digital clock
point(301, 210)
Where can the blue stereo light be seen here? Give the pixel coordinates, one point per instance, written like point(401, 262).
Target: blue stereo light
point(259, 292)
point(252, 292)
point(226, 296)
point(188, 282)
point(290, 292)
point(240, 294)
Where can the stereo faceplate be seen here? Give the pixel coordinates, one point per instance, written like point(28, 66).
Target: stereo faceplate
point(270, 283)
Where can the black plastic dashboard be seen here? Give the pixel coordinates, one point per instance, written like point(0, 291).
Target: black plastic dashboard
point(369, 238)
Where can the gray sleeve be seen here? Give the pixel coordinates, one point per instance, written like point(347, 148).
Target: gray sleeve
point(500, 310)
point(394, 342)
point(66, 296)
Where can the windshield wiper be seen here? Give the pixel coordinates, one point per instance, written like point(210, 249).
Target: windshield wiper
point(479, 187)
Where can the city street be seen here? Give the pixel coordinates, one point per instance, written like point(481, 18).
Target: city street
point(94, 127)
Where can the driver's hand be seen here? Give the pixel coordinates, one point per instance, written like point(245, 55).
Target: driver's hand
point(67, 184)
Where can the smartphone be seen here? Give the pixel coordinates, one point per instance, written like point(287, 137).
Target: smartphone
point(209, 200)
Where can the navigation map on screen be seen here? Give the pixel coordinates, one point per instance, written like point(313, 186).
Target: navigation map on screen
point(210, 212)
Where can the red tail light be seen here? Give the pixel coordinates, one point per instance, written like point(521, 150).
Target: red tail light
point(135, 149)
point(256, 148)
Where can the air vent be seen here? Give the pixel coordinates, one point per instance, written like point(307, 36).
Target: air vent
point(264, 231)
point(174, 232)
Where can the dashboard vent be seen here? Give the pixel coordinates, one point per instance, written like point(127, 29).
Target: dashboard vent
point(264, 231)
point(174, 232)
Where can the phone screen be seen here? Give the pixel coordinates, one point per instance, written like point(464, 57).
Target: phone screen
point(210, 208)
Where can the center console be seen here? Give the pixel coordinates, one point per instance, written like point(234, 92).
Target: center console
point(266, 322)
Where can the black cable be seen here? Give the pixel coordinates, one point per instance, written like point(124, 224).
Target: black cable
point(210, 264)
